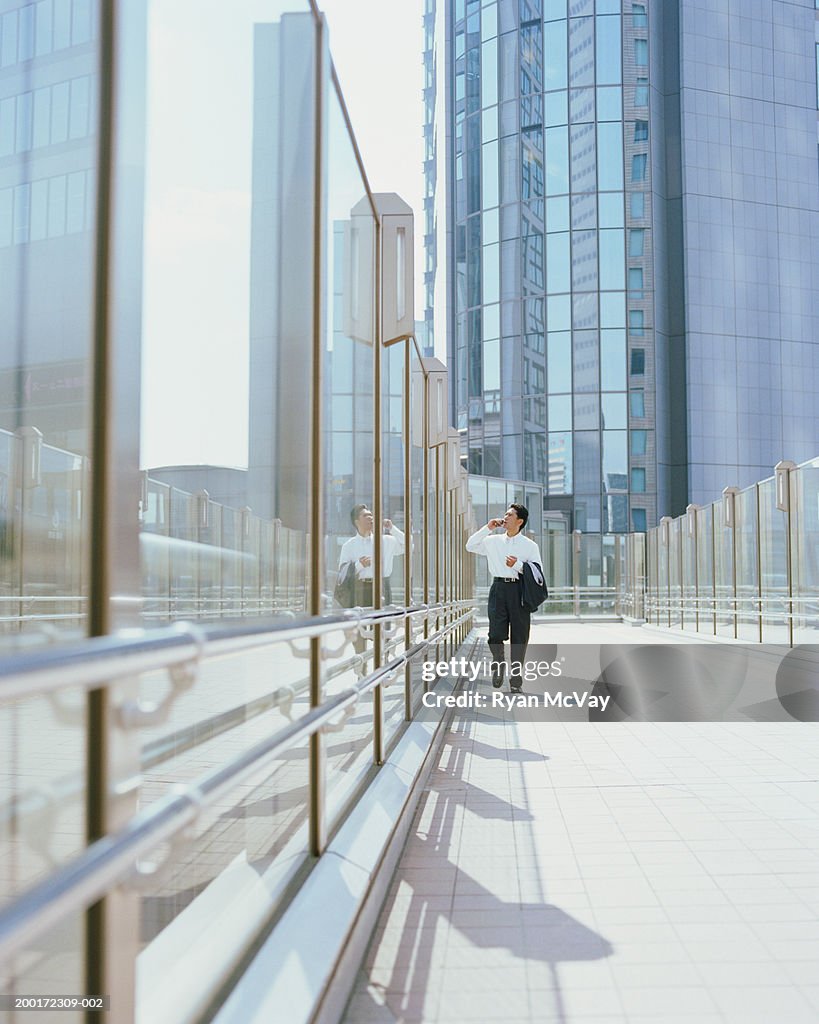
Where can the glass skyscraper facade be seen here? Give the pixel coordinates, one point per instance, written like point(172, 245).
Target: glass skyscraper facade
point(630, 293)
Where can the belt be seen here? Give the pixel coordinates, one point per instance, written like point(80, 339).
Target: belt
point(507, 579)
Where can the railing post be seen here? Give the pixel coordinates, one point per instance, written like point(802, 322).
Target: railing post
point(317, 786)
point(782, 472)
point(577, 537)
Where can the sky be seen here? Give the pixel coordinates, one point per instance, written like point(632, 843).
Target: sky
point(196, 268)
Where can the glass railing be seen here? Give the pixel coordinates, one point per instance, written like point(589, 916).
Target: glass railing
point(744, 567)
point(215, 371)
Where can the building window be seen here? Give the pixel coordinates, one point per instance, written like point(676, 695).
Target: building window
point(639, 163)
point(639, 442)
point(638, 362)
point(640, 131)
point(638, 15)
point(635, 282)
point(637, 405)
point(638, 520)
point(638, 480)
point(638, 205)
point(636, 321)
point(636, 240)
point(641, 92)
point(641, 52)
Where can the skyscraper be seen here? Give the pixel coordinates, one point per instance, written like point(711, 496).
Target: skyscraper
point(632, 294)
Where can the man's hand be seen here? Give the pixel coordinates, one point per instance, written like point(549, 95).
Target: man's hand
point(510, 560)
point(365, 560)
point(493, 524)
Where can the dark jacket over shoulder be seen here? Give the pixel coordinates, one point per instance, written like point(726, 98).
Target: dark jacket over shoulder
point(533, 591)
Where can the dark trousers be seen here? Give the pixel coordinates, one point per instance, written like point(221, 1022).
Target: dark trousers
point(506, 615)
point(364, 599)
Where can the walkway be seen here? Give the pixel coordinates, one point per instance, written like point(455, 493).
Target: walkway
point(606, 872)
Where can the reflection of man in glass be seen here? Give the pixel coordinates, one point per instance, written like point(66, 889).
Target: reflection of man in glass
point(506, 553)
point(359, 551)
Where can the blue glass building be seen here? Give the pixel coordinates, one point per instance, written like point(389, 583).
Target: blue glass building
point(621, 199)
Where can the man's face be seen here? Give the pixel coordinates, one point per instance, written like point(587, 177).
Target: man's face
point(364, 523)
point(512, 523)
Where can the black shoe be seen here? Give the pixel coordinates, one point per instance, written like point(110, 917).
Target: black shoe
point(516, 689)
point(497, 681)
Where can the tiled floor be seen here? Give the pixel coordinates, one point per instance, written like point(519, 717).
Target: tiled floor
point(585, 872)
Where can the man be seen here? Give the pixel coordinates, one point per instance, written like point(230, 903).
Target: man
point(506, 553)
point(359, 550)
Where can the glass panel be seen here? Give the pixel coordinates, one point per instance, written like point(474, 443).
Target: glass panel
point(55, 964)
point(559, 367)
point(224, 447)
point(615, 414)
point(560, 464)
point(252, 844)
point(773, 556)
point(47, 269)
point(609, 51)
point(610, 170)
point(723, 572)
point(675, 616)
point(746, 553)
point(613, 360)
point(805, 555)
point(612, 260)
point(555, 59)
point(705, 571)
point(615, 459)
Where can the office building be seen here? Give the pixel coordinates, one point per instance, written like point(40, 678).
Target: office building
point(632, 281)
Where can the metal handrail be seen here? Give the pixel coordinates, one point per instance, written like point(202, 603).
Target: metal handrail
point(97, 661)
point(110, 860)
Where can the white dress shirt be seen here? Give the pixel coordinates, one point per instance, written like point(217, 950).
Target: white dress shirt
point(497, 546)
point(355, 548)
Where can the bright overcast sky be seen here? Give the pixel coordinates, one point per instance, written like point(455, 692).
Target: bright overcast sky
point(196, 305)
point(377, 47)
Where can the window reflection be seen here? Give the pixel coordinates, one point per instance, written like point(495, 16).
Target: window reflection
point(610, 170)
point(612, 260)
point(557, 161)
point(560, 480)
point(555, 65)
point(614, 412)
point(609, 53)
point(615, 460)
point(613, 360)
point(560, 412)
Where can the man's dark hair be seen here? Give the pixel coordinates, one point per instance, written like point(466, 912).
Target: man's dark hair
point(356, 511)
point(522, 512)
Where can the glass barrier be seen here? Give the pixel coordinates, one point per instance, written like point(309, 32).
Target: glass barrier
point(805, 552)
point(214, 890)
point(747, 578)
point(42, 826)
point(773, 566)
point(704, 563)
point(49, 148)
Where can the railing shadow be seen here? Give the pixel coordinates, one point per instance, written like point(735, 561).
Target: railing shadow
point(402, 981)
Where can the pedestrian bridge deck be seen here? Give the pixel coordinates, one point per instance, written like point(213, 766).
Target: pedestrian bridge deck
point(616, 871)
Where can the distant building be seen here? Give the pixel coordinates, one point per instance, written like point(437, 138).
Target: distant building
point(630, 261)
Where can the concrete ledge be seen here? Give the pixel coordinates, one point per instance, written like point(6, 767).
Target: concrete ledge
point(306, 969)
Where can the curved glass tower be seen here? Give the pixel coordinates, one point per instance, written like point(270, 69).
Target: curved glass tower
point(579, 137)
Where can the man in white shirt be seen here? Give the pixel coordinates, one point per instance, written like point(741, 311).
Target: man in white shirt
point(359, 550)
point(506, 552)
